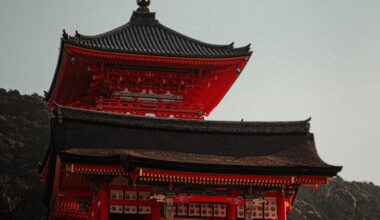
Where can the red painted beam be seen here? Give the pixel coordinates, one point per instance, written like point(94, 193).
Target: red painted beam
point(161, 59)
point(95, 169)
point(164, 174)
point(185, 199)
point(203, 178)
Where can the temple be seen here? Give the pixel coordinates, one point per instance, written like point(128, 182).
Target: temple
point(129, 139)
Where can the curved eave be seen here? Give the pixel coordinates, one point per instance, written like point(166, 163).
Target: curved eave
point(90, 135)
point(246, 52)
point(104, 53)
point(56, 73)
point(104, 118)
point(131, 163)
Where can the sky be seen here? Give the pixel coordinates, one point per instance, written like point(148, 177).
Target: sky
point(318, 59)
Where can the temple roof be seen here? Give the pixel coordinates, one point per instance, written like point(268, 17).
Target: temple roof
point(143, 34)
point(292, 127)
point(237, 147)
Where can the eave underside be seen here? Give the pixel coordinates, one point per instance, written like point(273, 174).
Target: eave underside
point(83, 77)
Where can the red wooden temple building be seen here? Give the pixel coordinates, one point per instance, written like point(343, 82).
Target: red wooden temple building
point(129, 139)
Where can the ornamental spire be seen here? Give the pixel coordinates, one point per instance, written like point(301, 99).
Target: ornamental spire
point(143, 5)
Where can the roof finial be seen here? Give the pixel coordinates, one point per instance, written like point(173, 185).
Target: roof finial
point(143, 3)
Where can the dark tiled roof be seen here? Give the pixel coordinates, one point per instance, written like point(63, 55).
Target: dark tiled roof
point(288, 163)
point(293, 127)
point(91, 136)
point(145, 35)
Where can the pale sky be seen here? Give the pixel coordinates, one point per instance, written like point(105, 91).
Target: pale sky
point(316, 58)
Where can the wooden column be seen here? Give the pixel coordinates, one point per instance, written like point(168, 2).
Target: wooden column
point(156, 212)
point(95, 209)
point(103, 203)
point(56, 185)
point(91, 210)
point(231, 212)
point(281, 205)
point(248, 208)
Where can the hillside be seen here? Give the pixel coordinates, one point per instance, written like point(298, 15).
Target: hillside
point(24, 137)
point(338, 200)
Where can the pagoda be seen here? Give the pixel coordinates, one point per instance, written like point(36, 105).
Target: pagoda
point(129, 139)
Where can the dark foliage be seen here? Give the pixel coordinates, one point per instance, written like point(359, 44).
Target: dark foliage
point(24, 137)
point(338, 200)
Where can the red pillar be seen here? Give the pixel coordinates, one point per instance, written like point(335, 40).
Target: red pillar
point(281, 203)
point(93, 211)
point(103, 203)
point(231, 212)
point(56, 185)
point(156, 212)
